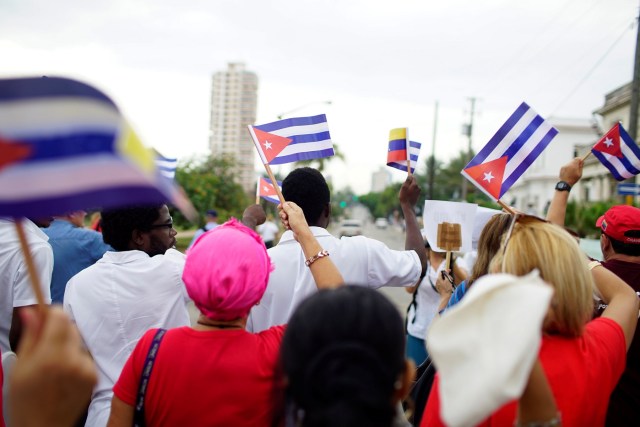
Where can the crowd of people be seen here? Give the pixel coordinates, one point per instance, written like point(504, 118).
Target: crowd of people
point(297, 335)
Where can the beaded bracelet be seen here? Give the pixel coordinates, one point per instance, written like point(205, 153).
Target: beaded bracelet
point(316, 257)
point(553, 422)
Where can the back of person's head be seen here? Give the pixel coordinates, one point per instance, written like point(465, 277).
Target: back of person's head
point(119, 224)
point(227, 271)
point(621, 224)
point(307, 188)
point(343, 358)
point(535, 244)
point(489, 243)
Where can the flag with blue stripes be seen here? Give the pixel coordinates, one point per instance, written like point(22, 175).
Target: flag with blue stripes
point(267, 191)
point(65, 146)
point(292, 140)
point(514, 147)
point(397, 152)
point(618, 152)
point(167, 166)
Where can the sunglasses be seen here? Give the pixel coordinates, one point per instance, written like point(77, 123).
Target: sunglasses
point(168, 225)
point(522, 219)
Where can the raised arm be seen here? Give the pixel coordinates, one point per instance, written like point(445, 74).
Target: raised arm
point(569, 173)
point(253, 216)
point(408, 196)
point(621, 299)
point(537, 406)
point(324, 271)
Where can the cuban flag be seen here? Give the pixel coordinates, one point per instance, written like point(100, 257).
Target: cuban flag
point(65, 146)
point(509, 152)
point(292, 140)
point(397, 153)
point(619, 153)
point(167, 166)
point(267, 191)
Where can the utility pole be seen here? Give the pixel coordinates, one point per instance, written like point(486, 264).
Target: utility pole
point(635, 88)
point(432, 159)
point(469, 133)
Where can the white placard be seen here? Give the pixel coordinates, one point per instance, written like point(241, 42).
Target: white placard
point(438, 211)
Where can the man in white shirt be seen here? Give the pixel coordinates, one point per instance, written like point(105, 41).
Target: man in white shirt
point(361, 261)
point(116, 300)
point(15, 285)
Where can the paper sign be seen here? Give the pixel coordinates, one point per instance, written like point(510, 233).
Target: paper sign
point(483, 215)
point(438, 211)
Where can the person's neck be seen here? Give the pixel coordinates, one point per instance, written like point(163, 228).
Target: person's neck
point(206, 324)
point(622, 257)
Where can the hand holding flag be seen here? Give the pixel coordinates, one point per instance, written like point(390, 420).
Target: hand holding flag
point(509, 153)
point(618, 152)
point(400, 156)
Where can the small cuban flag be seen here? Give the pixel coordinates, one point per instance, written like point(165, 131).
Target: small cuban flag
point(291, 140)
point(397, 153)
point(267, 191)
point(619, 153)
point(509, 153)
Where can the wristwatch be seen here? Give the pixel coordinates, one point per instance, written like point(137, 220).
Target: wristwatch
point(563, 186)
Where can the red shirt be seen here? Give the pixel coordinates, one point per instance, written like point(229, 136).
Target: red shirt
point(582, 373)
point(206, 378)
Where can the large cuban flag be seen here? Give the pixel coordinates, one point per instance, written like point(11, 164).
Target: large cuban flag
point(509, 152)
point(64, 146)
point(292, 140)
point(618, 152)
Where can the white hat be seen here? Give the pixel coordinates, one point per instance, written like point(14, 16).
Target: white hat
point(485, 346)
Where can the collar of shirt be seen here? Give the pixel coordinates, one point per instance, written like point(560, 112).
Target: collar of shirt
point(32, 231)
point(287, 236)
point(123, 257)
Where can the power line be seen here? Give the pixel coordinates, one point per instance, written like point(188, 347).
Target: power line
point(595, 66)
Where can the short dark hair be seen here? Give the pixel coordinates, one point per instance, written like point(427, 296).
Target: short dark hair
point(118, 224)
point(342, 353)
point(307, 188)
point(631, 249)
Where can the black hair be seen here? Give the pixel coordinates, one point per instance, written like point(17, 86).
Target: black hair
point(307, 188)
point(631, 249)
point(118, 224)
point(342, 355)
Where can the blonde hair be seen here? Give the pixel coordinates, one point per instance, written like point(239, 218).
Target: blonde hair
point(551, 250)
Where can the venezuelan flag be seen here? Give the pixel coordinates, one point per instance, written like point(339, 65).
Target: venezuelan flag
point(397, 152)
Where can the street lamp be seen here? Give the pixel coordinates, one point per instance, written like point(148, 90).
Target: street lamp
point(286, 113)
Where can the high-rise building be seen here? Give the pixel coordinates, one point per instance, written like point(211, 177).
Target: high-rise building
point(234, 101)
point(380, 180)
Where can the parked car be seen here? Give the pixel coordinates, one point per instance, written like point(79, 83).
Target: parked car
point(382, 223)
point(350, 227)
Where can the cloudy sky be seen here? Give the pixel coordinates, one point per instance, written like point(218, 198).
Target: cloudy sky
point(382, 64)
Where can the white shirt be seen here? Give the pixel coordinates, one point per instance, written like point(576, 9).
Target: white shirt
point(268, 231)
point(428, 300)
point(360, 260)
point(114, 302)
point(15, 285)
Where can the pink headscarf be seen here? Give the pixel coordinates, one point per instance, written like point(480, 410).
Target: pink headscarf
point(227, 271)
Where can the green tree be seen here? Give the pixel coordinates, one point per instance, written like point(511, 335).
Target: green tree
point(210, 183)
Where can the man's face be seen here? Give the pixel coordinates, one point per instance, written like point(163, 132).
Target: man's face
point(162, 235)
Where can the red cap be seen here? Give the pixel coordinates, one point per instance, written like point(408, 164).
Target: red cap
point(618, 220)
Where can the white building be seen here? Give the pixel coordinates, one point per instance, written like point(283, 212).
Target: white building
point(380, 179)
point(234, 101)
point(532, 193)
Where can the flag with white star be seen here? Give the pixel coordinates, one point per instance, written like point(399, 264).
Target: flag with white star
point(267, 191)
point(291, 140)
point(509, 153)
point(618, 152)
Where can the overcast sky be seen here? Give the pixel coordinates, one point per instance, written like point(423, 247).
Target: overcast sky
point(382, 64)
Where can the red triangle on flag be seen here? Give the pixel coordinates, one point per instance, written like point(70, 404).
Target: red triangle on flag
point(610, 142)
point(271, 145)
point(12, 152)
point(489, 175)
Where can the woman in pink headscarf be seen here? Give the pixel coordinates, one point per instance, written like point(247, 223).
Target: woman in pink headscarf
point(215, 373)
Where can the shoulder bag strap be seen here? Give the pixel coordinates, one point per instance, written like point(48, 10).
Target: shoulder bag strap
point(138, 415)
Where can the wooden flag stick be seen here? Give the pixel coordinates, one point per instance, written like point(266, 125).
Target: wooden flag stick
point(31, 268)
point(408, 147)
point(506, 208)
point(275, 183)
point(586, 156)
point(447, 261)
